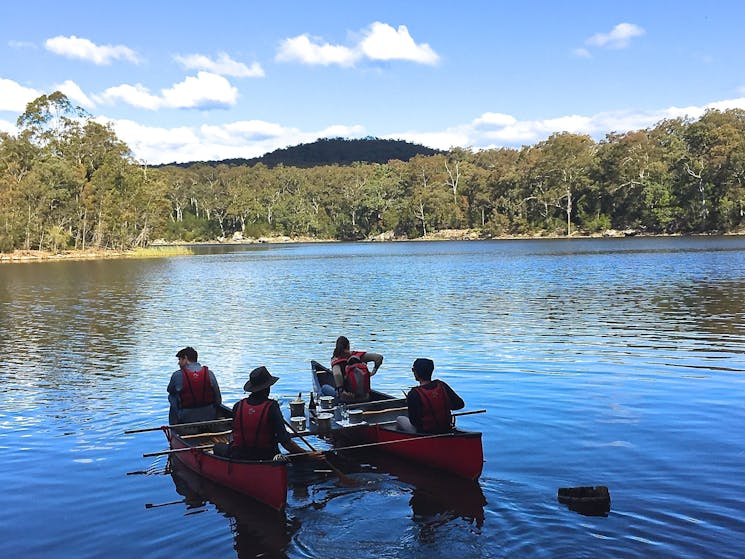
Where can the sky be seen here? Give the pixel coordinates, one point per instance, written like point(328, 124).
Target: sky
point(193, 81)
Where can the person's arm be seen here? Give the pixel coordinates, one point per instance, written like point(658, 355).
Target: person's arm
point(283, 436)
point(376, 358)
point(456, 402)
point(338, 376)
point(215, 388)
point(174, 388)
point(414, 404)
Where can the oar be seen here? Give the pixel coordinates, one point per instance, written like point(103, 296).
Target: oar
point(368, 445)
point(175, 450)
point(155, 506)
point(368, 424)
point(341, 475)
point(384, 411)
point(208, 434)
point(131, 431)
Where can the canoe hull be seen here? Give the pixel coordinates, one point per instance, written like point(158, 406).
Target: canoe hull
point(459, 453)
point(264, 481)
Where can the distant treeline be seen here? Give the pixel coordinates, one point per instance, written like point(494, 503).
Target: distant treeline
point(69, 182)
point(329, 151)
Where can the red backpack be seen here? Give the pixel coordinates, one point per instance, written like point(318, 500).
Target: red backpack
point(357, 377)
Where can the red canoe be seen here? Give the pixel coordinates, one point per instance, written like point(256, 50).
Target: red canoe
point(458, 452)
point(263, 480)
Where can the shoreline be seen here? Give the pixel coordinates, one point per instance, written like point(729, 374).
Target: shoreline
point(160, 248)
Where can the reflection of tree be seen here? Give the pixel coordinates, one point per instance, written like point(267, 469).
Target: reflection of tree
point(714, 308)
point(258, 531)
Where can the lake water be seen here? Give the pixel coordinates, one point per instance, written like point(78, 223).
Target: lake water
point(614, 362)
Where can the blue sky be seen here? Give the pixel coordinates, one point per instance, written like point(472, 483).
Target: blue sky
point(187, 80)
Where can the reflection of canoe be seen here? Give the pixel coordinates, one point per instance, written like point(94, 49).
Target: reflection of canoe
point(433, 493)
point(459, 452)
point(256, 530)
point(264, 480)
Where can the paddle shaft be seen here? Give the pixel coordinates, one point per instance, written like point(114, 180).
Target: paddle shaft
point(175, 450)
point(195, 424)
point(338, 472)
point(368, 445)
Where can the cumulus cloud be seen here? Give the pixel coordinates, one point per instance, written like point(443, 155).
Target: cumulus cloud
point(379, 42)
point(246, 139)
point(75, 94)
point(204, 91)
point(84, 49)
point(224, 65)
point(14, 97)
point(307, 50)
point(618, 38)
point(383, 42)
point(493, 130)
point(7, 127)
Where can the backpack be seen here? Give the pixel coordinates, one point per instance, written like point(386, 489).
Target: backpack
point(357, 377)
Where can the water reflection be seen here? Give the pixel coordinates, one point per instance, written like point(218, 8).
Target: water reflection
point(436, 498)
point(258, 531)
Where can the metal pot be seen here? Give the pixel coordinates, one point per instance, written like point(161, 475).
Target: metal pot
point(324, 422)
point(327, 402)
point(298, 423)
point(297, 408)
point(355, 416)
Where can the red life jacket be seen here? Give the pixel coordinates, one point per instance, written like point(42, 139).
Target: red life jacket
point(436, 406)
point(197, 388)
point(251, 428)
point(356, 374)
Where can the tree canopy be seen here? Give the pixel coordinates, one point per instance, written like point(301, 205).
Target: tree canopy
point(67, 182)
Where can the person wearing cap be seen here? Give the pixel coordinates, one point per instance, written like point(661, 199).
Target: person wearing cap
point(258, 424)
point(193, 391)
point(430, 403)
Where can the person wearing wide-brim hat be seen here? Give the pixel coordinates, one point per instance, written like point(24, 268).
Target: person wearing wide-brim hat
point(258, 425)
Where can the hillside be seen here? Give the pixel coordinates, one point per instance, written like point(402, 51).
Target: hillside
point(330, 151)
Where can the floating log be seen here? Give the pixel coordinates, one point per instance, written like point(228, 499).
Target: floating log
point(586, 500)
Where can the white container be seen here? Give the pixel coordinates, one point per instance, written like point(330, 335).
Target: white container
point(355, 416)
point(298, 423)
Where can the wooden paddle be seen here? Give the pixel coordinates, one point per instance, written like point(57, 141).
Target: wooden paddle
point(368, 445)
point(175, 450)
point(343, 478)
point(384, 410)
point(195, 424)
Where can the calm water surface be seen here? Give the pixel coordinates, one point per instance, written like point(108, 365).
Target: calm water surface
point(601, 362)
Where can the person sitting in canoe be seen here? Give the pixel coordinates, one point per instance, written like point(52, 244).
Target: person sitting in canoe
point(430, 403)
point(258, 424)
point(351, 375)
point(193, 391)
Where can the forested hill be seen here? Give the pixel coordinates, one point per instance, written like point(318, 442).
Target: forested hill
point(331, 151)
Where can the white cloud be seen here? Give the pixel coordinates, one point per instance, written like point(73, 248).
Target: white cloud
point(136, 95)
point(84, 49)
point(379, 41)
point(224, 65)
point(7, 126)
point(205, 91)
point(581, 53)
point(21, 45)
point(383, 42)
point(14, 97)
point(302, 49)
point(75, 94)
point(240, 139)
point(618, 38)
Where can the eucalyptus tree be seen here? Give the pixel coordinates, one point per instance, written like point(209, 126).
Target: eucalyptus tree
point(714, 168)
